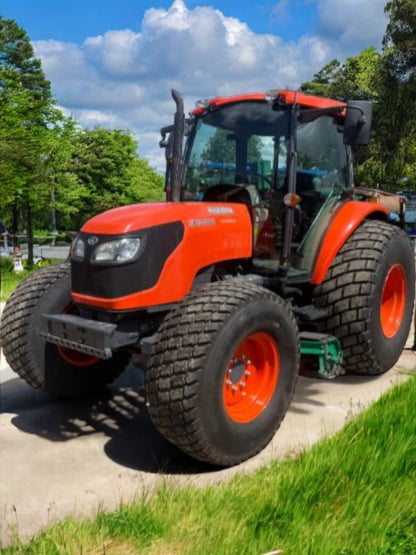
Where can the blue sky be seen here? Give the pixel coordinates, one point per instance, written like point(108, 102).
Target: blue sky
point(113, 63)
point(76, 20)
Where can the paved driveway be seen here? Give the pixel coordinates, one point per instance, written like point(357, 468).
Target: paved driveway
point(62, 457)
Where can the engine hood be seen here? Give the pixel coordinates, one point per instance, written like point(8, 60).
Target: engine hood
point(181, 238)
point(135, 217)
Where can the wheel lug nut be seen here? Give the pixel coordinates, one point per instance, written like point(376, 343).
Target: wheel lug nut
point(247, 373)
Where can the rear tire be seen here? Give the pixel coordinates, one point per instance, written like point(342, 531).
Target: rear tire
point(223, 371)
point(42, 365)
point(369, 291)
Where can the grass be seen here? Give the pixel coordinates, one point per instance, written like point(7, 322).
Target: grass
point(351, 494)
point(11, 279)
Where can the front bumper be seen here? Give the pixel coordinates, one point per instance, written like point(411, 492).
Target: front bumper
point(90, 337)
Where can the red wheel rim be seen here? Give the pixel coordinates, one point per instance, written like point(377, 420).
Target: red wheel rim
point(393, 301)
point(251, 377)
point(76, 358)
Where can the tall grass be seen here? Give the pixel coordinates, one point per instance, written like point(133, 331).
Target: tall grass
point(352, 494)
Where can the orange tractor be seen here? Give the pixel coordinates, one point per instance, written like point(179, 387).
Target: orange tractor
point(264, 257)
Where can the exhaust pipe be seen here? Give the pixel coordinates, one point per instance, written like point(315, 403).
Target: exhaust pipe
point(177, 150)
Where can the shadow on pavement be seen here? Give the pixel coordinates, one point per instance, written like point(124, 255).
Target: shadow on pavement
point(118, 412)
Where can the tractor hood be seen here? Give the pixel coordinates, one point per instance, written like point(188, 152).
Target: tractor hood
point(175, 240)
point(137, 216)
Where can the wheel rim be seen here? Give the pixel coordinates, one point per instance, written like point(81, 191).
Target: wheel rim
point(76, 358)
point(251, 377)
point(393, 301)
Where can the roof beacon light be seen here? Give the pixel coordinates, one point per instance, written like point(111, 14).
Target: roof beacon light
point(202, 103)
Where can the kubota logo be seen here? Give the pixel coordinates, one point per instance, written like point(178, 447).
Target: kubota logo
point(220, 210)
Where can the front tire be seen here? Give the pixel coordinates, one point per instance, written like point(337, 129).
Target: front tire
point(223, 372)
point(44, 366)
point(369, 293)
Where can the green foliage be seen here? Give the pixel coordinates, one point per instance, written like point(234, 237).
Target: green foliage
point(322, 81)
point(27, 114)
point(351, 494)
point(390, 80)
point(356, 78)
point(9, 278)
point(219, 148)
point(52, 172)
point(106, 165)
point(400, 38)
point(222, 149)
point(6, 264)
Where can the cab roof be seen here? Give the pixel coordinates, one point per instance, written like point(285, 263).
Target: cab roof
point(287, 97)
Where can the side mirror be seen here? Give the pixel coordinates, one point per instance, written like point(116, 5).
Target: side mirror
point(357, 125)
point(166, 142)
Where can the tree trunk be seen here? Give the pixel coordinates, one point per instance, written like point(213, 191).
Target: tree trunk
point(15, 223)
point(53, 210)
point(29, 235)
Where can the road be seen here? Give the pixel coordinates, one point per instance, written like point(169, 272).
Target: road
point(72, 457)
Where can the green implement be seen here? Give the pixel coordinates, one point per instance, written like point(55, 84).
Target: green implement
point(321, 353)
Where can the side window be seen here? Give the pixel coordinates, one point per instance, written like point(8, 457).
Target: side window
point(260, 155)
point(320, 177)
point(322, 162)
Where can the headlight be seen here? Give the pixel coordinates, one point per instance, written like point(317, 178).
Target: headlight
point(78, 248)
point(117, 252)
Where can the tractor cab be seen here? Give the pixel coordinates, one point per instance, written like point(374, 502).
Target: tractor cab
point(283, 155)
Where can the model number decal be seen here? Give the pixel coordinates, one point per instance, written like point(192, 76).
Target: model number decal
point(202, 222)
point(220, 210)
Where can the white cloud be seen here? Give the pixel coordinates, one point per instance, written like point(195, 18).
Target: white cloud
point(122, 79)
point(354, 24)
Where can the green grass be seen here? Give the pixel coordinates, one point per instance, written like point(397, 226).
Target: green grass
point(352, 494)
point(11, 279)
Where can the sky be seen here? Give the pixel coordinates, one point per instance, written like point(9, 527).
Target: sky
point(113, 64)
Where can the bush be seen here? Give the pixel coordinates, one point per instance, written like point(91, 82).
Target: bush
point(6, 264)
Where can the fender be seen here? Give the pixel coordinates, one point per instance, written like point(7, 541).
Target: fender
point(205, 234)
point(344, 223)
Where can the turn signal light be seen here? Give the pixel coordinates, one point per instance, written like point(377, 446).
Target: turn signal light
point(291, 200)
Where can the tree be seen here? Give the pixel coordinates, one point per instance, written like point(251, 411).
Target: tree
point(397, 94)
point(356, 78)
point(53, 172)
point(220, 148)
point(105, 162)
point(26, 109)
point(400, 38)
point(322, 81)
point(66, 194)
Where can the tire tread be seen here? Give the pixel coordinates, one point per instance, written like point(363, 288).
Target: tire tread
point(347, 291)
point(184, 341)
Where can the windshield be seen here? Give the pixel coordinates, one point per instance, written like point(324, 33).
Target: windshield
point(242, 143)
